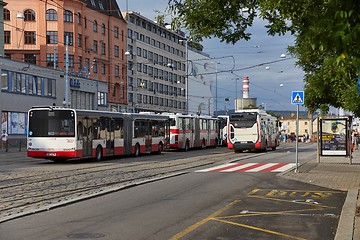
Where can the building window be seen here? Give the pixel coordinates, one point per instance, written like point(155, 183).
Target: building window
point(116, 50)
point(95, 46)
point(71, 60)
point(101, 5)
point(29, 15)
point(95, 67)
point(117, 71)
point(51, 37)
point(87, 63)
point(80, 62)
point(30, 37)
point(103, 68)
point(51, 15)
point(6, 15)
point(27, 84)
point(103, 48)
point(95, 26)
point(79, 40)
point(68, 16)
point(30, 58)
point(50, 59)
point(7, 37)
point(103, 29)
point(79, 18)
point(85, 22)
point(116, 32)
point(69, 38)
point(102, 98)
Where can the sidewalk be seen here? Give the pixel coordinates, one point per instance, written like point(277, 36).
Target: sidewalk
point(337, 173)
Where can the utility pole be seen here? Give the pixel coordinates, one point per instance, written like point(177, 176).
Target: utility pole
point(66, 105)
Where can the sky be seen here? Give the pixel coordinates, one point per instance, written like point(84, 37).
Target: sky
point(272, 84)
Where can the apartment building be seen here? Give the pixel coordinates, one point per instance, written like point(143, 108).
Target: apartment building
point(90, 32)
point(156, 66)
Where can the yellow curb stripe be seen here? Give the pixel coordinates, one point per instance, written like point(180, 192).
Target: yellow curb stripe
point(203, 221)
point(259, 229)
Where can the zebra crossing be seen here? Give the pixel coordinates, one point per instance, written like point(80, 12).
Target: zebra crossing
point(250, 167)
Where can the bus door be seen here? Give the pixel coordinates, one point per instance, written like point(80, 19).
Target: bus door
point(110, 123)
point(196, 130)
point(182, 133)
point(84, 134)
point(148, 136)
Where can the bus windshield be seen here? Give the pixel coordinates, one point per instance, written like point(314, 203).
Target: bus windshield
point(53, 123)
point(243, 120)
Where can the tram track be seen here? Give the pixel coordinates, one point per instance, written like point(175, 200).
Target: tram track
point(26, 191)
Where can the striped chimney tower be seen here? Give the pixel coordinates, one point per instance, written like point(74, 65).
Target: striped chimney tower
point(245, 87)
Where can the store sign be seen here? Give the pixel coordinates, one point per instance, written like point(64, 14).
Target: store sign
point(74, 83)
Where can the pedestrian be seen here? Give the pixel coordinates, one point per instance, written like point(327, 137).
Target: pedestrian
point(356, 139)
point(353, 140)
point(4, 138)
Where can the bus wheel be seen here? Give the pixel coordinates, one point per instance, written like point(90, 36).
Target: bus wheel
point(137, 150)
point(98, 155)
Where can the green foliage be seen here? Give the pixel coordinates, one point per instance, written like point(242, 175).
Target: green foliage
point(327, 36)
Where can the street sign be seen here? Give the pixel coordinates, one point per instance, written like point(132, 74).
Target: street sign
point(297, 97)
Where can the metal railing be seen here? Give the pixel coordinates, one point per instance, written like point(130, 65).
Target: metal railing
point(14, 145)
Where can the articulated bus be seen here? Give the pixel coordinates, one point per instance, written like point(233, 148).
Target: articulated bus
point(58, 134)
point(252, 129)
point(192, 131)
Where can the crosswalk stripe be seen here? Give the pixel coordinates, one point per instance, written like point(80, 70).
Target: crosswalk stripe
point(250, 167)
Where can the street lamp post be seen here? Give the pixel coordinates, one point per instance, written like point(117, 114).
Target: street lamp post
point(236, 92)
point(186, 74)
point(216, 86)
point(66, 72)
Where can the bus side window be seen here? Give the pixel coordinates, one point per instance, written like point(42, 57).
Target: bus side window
point(80, 130)
point(95, 129)
point(119, 126)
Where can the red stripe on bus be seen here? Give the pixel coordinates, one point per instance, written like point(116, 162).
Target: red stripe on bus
point(174, 131)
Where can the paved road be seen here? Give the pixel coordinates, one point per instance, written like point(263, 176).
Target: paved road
point(194, 205)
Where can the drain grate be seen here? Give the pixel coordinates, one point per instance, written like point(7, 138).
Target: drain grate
point(86, 235)
point(357, 213)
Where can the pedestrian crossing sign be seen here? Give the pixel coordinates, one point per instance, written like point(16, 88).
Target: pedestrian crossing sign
point(297, 97)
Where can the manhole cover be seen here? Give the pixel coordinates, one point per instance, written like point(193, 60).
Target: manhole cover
point(86, 235)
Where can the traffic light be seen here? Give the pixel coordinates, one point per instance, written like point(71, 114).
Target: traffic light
point(226, 100)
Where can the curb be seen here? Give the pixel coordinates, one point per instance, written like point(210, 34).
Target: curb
point(345, 230)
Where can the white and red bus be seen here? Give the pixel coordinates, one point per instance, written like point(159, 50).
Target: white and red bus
point(192, 131)
point(61, 133)
point(252, 129)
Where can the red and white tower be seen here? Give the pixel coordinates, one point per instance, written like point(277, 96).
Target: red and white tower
point(245, 87)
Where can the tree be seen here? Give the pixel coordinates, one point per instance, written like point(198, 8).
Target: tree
point(327, 34)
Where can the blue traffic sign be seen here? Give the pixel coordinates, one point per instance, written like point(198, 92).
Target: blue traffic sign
point(297, 97)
